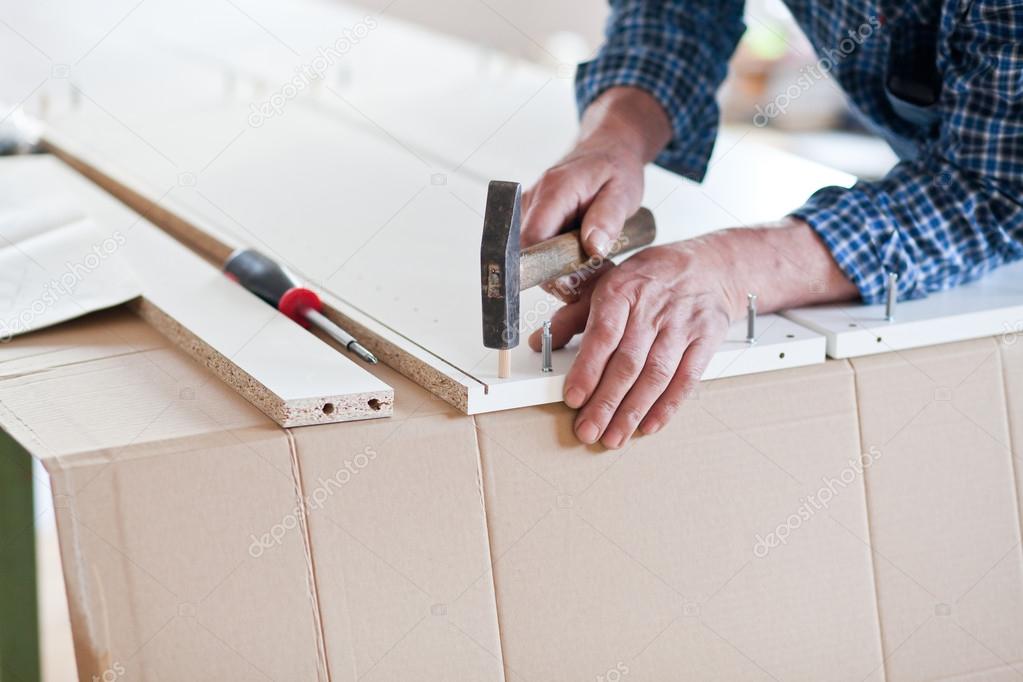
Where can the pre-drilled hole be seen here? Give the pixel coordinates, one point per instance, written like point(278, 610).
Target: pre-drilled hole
point(879, 339)
point(790, 336)
point(374, 404)
point(328, 408)
point(781, 356)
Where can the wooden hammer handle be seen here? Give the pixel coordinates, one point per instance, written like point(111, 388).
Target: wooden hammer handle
point(564, 254)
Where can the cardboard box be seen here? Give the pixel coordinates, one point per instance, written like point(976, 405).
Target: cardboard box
point(685, 555)
point(853, 520)
point(200, 541)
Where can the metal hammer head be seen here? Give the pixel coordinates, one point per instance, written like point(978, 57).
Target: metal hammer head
point(499, 265)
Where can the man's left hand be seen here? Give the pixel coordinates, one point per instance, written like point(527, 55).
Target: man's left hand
point(653, 323)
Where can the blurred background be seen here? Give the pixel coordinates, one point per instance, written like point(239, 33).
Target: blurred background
point(772, 55)
point(55, 40)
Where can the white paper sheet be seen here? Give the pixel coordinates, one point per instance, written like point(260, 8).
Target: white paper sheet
point(56, 265)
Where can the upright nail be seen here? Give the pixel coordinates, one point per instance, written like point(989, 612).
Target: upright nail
point(751, 318)
point(893, 294)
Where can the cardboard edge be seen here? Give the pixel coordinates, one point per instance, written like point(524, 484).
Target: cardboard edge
point(868, 523)
point(481, 482)
point(322, 663)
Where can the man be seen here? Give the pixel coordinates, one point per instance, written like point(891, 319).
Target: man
point(942, 80)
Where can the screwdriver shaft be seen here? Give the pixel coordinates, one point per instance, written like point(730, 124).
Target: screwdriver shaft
point(340, 335)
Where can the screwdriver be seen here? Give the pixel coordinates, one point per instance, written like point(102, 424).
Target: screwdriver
point(278, 287)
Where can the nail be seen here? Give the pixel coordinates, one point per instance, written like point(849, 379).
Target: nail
point(587, 432)
point(574, 397)
point(613, 439)
point(600, 241)
point(651, 427)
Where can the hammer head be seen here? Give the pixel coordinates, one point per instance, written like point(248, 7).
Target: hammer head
point(499, 265)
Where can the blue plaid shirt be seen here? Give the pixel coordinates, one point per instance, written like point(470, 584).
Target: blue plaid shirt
point(950, 211)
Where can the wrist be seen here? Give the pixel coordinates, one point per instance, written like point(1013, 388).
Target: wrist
point(785, 264)
point(631, 117)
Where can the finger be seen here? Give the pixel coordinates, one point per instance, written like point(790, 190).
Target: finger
point(562, 288)
point(623, 369)
point(568, 321)
point(661, 365)
point(565, 325)
point(604, 328)
point(562, 195)
point(605, 218)
point(683, 385)
point(553, 204)
point(571, 287)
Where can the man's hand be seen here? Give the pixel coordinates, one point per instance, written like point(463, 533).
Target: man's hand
point(653, 323)
point(600, 182)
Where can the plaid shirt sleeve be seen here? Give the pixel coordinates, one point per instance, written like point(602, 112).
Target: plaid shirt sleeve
point(956, 213)
point(677, 51)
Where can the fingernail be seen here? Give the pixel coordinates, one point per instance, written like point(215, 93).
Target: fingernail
point(613, 439)
point(599, 241)
point(651, 427)
point(574, 397)
point(587, 432)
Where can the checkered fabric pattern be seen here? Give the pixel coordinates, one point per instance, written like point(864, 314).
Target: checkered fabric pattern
point(945, 217)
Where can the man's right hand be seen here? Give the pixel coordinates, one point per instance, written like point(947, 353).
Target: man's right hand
point(601, 180)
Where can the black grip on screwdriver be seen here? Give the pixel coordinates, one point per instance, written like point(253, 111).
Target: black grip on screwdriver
point(260, 275)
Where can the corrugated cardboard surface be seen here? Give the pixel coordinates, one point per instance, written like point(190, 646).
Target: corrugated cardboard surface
point(944, 511)
point(200, 541)
point(854, 520)
point(399, 544)
point(646, 560)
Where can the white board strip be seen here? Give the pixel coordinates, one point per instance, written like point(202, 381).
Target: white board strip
point(285, 371)
point(988, 307)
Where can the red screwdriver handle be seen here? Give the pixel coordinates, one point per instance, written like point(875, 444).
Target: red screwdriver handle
point(272, 283)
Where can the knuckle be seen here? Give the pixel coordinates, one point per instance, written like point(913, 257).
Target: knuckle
point(551, 176)
point(630, 362)
point(603, 406)
point(658, 371)
point(603, 332)
point(669, 407)
point(631, 416)
point(691, 375)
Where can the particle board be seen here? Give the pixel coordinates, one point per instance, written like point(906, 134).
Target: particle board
point(292, 376)
point(988, 307)
point(390, 205)
point(398, 248)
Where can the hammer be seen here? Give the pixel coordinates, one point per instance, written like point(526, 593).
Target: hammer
point(506, 269)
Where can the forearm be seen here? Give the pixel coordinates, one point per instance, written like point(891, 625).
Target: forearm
point(786, 265)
